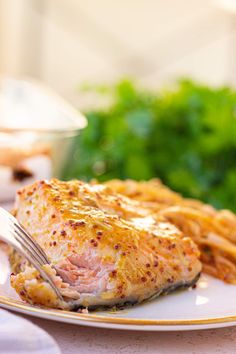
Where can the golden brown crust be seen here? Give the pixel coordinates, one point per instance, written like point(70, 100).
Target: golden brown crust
point(74, 220)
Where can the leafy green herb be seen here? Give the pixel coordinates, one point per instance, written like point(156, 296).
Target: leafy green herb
point(186, 136)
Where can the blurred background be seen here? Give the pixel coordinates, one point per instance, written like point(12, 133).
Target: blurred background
point(65, 43)
point(155, 79)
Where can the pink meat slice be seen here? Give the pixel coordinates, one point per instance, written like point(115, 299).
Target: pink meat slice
point(84, 276)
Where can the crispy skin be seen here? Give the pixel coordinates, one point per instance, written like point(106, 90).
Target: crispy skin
point(106, 249)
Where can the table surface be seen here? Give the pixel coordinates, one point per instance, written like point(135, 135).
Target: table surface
point(82, 340)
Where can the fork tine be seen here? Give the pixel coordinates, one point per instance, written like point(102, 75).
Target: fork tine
point(28, 246)
point(30, 241)
point(13, 235)
point(25, 235)
point(46, 277)
point(34, 260)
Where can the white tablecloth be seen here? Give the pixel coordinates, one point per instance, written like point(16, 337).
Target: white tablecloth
point(84, 340)
point(17, 335)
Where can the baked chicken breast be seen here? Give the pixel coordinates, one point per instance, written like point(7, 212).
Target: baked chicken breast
point(104, 249)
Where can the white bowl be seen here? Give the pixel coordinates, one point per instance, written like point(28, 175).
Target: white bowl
point(37, 128)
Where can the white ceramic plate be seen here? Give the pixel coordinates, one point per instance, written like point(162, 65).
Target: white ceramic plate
point(212, 304)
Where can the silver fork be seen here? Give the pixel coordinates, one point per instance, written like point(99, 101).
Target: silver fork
point(15, 235)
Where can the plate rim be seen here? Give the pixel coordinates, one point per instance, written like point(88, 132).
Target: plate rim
point(16, 305)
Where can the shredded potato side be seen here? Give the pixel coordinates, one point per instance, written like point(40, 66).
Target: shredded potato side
point(214, 231)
